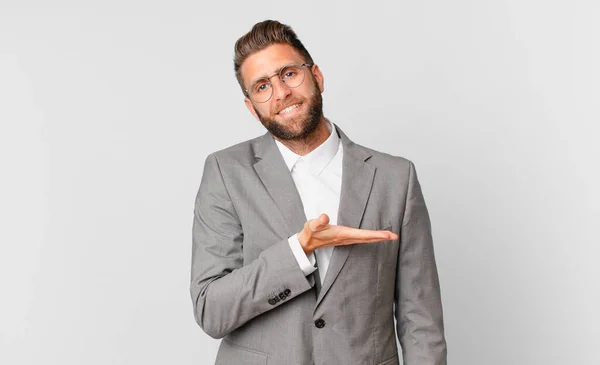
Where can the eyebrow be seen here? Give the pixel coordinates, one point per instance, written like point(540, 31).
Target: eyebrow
point(275, 72)
point(264, 77)
point(257, 79)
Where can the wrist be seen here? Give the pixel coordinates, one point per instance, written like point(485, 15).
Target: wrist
point(305, 243)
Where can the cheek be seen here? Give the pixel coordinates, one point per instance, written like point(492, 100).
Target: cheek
point(310, 89)
point(263, 109)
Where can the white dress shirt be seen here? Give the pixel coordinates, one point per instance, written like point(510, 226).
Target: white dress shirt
point(318, 179)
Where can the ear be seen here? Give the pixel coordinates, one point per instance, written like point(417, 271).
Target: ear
point(250, 107)
point(316, 71)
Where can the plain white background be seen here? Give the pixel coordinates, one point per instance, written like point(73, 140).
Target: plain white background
point(109, 108)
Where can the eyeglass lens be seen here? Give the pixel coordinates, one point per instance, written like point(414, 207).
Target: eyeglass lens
point(291, 76)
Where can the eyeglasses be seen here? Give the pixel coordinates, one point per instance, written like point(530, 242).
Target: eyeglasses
point(291, 75)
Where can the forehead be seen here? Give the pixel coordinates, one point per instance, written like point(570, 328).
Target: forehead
point(268, 61)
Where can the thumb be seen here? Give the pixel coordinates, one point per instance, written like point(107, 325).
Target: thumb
point(323, 220)
point(319, 223)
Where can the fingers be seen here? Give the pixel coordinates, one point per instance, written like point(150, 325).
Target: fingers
point(366, 235)
point(391, 235)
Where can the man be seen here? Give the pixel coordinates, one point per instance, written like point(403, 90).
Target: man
point(305, 244)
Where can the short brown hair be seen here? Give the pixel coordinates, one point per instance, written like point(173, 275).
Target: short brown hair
point(261, 36)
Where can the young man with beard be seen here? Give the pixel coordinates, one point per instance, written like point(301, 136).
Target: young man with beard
point(306, 246)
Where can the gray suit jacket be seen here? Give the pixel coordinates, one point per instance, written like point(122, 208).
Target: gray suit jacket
point(248, 289)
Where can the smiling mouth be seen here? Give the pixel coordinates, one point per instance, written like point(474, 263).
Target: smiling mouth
point(288, 109)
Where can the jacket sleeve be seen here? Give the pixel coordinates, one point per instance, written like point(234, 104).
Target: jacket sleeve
point(226, 291)
point(418, 307)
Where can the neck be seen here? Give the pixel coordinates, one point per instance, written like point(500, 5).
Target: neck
point(303, 146)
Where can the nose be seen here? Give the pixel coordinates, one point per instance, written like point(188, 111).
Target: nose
point(280, 91)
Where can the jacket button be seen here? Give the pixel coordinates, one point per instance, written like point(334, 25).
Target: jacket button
point(282, 296)
point(272, 301)
point(287, 292)
point(320, 323)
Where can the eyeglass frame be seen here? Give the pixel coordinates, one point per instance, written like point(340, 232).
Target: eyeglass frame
point(247, 92)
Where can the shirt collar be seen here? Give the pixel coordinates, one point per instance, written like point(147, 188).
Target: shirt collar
point(316, 159)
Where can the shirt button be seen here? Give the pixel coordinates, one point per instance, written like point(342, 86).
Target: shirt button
point(320, 323)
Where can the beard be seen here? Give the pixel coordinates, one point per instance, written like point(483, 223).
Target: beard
point(308, 121)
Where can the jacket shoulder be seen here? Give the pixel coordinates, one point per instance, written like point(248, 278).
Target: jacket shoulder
point(240, 153)
point(385, 160)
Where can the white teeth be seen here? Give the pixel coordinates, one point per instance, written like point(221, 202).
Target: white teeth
point(288, 109)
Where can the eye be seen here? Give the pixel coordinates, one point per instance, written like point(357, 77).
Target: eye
point(261, 87)
point(288, 74)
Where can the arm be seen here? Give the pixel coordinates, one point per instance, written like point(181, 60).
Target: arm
point(418, 307)
point(226, 291)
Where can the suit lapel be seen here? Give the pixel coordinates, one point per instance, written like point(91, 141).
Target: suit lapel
point(357, 180)
point(276, 177)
